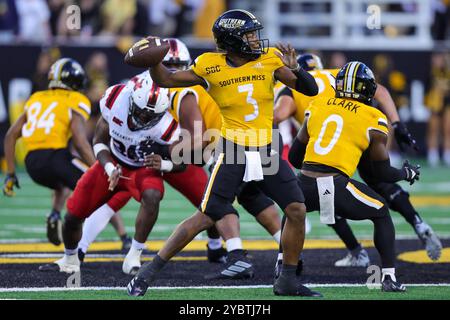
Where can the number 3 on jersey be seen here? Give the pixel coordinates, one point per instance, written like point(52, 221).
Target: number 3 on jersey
point(337, 133)
point(249, 89)
point(46, 120)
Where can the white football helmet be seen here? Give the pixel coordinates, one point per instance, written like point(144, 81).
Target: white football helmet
point(178, 56)
point(148, 102)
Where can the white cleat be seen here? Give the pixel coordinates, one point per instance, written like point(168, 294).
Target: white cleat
point(362, 260)
point(67, 264)
point(430, 241)
point(132, 262)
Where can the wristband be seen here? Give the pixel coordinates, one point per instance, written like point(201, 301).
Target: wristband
point(109, 168)
point(296, 69)
point(99, 147)
point(166, 165)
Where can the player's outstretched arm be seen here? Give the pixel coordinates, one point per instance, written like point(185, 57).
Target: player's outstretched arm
point(381, 163)
point(387, 106)
point(80, 140)
point(292, 74)
point(174, 79)
point(14, 133)
point(298, 148)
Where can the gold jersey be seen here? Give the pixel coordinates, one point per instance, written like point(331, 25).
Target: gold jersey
point(339, 132)
point(325, 80)
point(244, 95)
point(48, 118)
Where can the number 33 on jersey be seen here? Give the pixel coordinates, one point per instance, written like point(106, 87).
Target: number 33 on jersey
point(244, 95)
point(48, 118)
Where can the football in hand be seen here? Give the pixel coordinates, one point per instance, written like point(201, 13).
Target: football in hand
point(147, 52)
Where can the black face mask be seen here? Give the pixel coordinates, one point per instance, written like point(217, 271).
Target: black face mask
point(142, 118)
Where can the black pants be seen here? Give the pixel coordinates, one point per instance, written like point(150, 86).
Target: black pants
point(356, 201)
point(227, 177)
point(54, 168)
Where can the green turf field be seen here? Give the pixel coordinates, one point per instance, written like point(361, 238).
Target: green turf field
point(329, 293)
point(23, 217)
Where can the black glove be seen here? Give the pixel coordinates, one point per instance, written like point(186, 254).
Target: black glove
point(150, 146)
point(8, 186)
point(403, 137)
point(412, 172)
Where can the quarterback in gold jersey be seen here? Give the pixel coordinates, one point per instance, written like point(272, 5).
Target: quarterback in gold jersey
point(50, 119)
point(240, 78)
point(336, 132)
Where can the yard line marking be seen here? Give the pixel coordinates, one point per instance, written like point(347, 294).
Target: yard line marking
point(313, 285)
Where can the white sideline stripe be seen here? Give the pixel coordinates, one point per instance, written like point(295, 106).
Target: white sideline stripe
point(314, 285)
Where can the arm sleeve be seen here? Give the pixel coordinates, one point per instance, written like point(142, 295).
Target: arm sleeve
point(305, 83)
point(297, 153)
point(386, 173)
point(82, 106)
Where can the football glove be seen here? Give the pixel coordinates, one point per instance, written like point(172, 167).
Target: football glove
point(8, 186)
point(403, 136)
point(412, 172)
point(150, 146)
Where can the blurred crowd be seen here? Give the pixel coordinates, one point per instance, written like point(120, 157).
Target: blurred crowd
point(41, 20)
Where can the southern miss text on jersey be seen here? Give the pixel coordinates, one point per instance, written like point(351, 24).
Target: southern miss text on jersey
point(244, 95)
point(49, 114)
point(125, 144)
point(339, 132)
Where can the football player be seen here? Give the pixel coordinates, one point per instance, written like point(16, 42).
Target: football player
point(240, 79)
point(191, 107)
point(131, 117)
point(291, 103)
point(52, 117)
point(335, 133)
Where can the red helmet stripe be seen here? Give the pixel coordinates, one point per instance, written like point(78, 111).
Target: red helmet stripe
point(154, 93)
point(173, 48)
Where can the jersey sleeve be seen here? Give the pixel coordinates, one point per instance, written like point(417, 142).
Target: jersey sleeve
point(379, 122)
point(199, 66)
point(273, 60)
point(82, 105)
point(107, 101)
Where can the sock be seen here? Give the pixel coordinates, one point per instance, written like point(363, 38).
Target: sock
point(214, 244)
point(234, 244)
point(150, 269)
point(94, 225)
point(55, 212)
point(277, 236)
point(137, 245)
point(355, 252)
point(70, 252)
point(288, 270)
point(433, 157)
point(447, 157)
point(123, 237)
point(388, 272)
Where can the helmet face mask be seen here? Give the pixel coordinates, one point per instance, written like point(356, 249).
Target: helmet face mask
point(67, 74)
point(232, 31)
point(148, 103)
point(355, 80)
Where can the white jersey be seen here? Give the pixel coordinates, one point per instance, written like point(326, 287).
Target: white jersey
point(126, 145)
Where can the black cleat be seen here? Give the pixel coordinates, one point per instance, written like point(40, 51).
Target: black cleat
point(285, 286)
point(389, 285)
point(137, 287)
point(298, 271)
point(237, 267)
point(216, 255)
point(54, 228)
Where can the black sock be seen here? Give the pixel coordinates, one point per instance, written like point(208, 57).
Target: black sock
point(124, 237)
point(288, 270)
point(402, 205)
point(55, 212)
point(384, 239)
point(149, 270)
